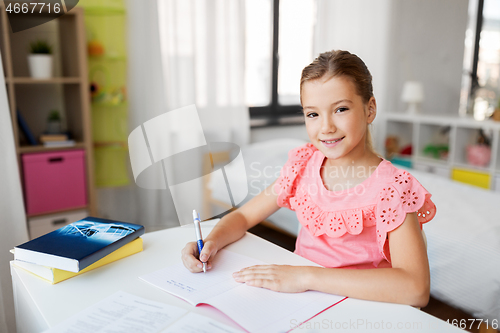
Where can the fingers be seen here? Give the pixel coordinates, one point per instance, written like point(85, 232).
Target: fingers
point(282, 278)
point(254, 271)
point(189, 260)
point(208, 252)
point(190, 257)
point(263, 276)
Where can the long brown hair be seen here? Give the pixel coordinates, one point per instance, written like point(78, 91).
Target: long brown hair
point(342, 63)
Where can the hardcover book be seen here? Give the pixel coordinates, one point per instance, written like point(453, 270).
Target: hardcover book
point(55, 275)
point(79, 244)
point(25, 129)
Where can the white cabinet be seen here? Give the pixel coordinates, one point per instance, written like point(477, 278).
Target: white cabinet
point(440, 143)
point(497, 182)
point(42, 225)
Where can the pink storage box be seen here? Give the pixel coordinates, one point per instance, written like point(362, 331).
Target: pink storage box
point(54, 181)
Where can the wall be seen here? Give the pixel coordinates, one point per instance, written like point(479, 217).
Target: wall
point(268, 133)
point(362, 28)
point(427, 44)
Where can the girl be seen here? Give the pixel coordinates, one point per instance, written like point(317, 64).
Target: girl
point(357, 210)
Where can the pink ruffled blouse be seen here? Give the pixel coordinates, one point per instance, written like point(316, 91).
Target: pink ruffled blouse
point(348, 228)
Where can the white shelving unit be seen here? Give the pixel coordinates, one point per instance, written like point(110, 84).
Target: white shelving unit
point(456, 132)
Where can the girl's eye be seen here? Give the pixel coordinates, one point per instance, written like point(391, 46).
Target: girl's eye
point(342, 109)
point(311, 115)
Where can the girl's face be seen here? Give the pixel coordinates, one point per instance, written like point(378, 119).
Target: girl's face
point(336, 117)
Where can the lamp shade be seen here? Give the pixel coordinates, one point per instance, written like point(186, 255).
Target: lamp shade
point(413, 92)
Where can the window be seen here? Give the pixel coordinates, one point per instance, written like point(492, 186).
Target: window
point(279, 44)
point(481, 80)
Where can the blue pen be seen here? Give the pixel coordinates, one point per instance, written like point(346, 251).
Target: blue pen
point(199, 239)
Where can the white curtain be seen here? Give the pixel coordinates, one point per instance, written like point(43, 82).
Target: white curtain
point(203, 56)
point(152, 208)
point(12, 217)
point(181, 52)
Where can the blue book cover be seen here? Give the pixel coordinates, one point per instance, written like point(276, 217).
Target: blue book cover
point(79, 244)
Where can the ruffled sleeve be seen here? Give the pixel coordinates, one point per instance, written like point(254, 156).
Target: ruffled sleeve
point(285, 185)
point(401, 196)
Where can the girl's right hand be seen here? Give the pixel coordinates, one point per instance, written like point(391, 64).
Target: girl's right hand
point(190, 256)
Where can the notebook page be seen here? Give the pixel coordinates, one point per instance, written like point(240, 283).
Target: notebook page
point(254, 309)
point(121, 312)
point(263, 310)
point(199, 287)
point(195, 323)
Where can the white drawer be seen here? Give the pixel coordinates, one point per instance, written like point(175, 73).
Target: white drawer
point(39, 226)
point(497, 183)
point(421, 167)
point(442, 171)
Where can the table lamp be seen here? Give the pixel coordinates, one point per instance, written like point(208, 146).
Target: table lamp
point(413, 94)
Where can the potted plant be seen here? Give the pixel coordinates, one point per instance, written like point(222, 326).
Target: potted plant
point(54, 122)
point(40, 60)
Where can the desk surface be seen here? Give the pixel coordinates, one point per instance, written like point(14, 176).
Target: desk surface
point(40, 305)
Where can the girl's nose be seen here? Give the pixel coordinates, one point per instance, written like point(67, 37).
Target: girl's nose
point(328, 126)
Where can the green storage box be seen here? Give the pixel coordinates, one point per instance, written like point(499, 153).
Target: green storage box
point(111, 166)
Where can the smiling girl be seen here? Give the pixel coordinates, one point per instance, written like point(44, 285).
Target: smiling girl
point(361, 217)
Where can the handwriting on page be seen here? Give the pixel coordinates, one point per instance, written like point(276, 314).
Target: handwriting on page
point(198, 287)
point(180, 285)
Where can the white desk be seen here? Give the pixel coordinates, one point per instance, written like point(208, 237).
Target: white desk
point(40, 305)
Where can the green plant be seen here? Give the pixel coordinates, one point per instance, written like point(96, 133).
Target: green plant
point(40, 47)
point(54, 116)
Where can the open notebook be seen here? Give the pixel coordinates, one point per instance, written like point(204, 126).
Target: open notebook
point(254, 309)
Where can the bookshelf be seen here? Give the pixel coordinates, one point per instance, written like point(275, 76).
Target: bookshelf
point(67, 91)
point(457, 133)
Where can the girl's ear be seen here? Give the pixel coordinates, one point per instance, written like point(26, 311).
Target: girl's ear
point(372, 110)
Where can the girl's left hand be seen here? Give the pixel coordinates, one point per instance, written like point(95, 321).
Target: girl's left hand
point(283, 278)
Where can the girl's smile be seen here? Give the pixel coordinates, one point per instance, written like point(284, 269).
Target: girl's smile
point(336, 117)
point(332, 142)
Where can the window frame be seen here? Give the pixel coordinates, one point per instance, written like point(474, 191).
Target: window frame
point(474, 83)
point(274, 113)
